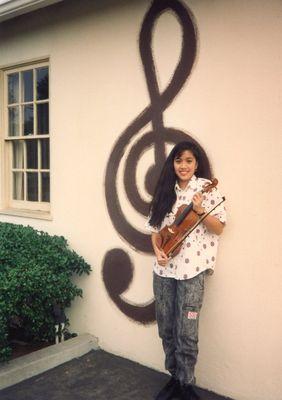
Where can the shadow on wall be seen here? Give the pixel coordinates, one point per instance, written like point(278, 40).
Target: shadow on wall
point(58, 14)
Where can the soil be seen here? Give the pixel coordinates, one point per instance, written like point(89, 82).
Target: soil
point(20, 348)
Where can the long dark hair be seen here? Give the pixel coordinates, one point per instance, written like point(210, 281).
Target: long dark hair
point(165, 196)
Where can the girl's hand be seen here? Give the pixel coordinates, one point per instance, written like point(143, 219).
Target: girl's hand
point(197, 203)
point(161, 257)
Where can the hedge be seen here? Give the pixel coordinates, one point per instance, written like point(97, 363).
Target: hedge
point(36, 272)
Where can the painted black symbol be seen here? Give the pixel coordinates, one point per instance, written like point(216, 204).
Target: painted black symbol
point(118, 268)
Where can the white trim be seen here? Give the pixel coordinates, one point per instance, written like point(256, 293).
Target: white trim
point(27, 213)
point(8, 205)
point(39, 361)
point(12, 8)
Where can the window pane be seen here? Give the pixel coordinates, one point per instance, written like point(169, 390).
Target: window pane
point(28, 119)
point(42, 119)
point(31, 154)
point(13, 117)
point(18, 185)
point(13, 88)
point(18, 154)
point(45, 155)
point(42, 83)
point(32, 186)
point(45, 190)
point(27, 83)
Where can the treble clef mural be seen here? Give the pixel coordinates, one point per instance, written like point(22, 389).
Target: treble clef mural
point(117, 266)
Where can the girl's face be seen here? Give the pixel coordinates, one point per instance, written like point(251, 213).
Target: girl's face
point(185, 166)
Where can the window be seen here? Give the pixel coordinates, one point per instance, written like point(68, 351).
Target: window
point(26, 141)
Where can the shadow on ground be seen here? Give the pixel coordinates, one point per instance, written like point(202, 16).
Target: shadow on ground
point(95, 376)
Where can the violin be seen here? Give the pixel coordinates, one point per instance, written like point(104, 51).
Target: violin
point(186, 220)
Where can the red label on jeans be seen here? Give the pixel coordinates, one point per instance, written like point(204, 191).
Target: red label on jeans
point(192, 315)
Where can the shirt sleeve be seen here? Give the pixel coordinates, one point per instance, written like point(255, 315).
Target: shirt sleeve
point(211, 199)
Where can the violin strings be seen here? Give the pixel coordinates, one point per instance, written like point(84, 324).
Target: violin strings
point(195, 226)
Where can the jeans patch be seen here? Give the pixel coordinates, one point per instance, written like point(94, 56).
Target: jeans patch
point(192, 315)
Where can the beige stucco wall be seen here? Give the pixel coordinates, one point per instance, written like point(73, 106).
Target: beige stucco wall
point(231, 105)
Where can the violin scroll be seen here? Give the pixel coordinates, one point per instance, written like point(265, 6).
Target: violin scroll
point(209, 186)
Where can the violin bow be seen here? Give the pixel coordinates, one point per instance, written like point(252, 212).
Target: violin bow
point(193, 227)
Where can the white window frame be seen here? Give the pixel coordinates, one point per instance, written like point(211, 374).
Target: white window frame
point(9, 205)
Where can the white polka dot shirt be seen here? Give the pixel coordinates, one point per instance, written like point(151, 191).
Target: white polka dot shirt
point(199, 249)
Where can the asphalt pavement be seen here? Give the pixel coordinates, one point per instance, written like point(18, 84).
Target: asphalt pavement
point(97, 375)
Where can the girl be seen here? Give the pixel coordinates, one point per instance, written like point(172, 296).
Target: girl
point(179, 281)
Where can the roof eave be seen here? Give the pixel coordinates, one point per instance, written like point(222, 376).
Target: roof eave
point(12, 8)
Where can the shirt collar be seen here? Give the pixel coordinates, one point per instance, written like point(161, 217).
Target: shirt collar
point(191, 185)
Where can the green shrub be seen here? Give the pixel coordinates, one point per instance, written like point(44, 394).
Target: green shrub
point(35, 274)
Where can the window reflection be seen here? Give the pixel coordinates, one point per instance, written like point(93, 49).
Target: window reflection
point(45, 189)
point(31, 154)
point(18, 154)
point(45, 154)
point(32, 186)
point(43, 119)
point(27, 84)
point(18, 185)
point(13, 117)
point(42, 83)
point(28, 119)
point(13, 88)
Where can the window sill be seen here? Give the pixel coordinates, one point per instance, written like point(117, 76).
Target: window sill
point(27, 214)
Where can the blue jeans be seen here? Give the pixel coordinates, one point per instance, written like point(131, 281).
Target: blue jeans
point(178, 305)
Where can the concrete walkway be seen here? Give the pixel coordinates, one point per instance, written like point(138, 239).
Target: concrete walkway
point(96, 375)
point(39, 361)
